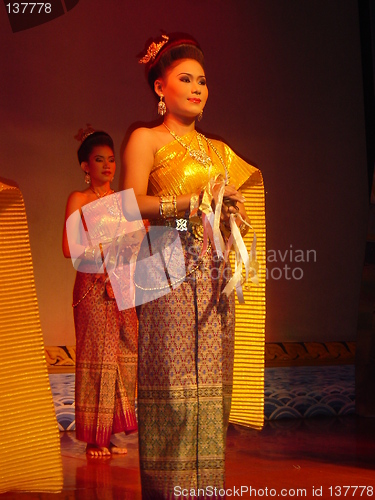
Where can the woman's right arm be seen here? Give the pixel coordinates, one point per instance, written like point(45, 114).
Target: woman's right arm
point(71, 246)
point(76, 244)
point(138, 161)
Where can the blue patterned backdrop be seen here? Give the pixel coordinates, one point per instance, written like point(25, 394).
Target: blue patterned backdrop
point(290, 392)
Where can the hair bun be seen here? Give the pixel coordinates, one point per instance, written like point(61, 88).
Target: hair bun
point(161, 52)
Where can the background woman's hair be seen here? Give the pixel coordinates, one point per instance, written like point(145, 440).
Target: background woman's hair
point(98, 138)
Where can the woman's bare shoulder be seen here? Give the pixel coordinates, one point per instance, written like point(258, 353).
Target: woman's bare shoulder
point(79, 195)
point(76, 200)
point(143, 133)
point(146, 138)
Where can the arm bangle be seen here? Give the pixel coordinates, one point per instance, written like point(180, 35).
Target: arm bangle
point(243, 228)
point(89, 253)
point(168, 207)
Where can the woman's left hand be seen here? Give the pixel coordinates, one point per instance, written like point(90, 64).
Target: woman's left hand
point(232, 204)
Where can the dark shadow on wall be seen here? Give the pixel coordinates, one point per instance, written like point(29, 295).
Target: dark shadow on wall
point(365, 351)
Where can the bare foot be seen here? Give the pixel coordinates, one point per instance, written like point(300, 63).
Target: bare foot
point(116, 450)
point(94, 451)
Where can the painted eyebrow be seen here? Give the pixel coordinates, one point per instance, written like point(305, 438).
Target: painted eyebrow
point(189, 74)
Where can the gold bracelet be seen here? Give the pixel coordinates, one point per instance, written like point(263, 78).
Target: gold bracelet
point(243, 227)
point(168, 207)
point(89, 257)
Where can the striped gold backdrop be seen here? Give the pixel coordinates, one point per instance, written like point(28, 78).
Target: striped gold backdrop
point(248, 378)
point(30, 457)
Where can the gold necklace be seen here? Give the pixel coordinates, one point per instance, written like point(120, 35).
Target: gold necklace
point(101, 195)
point(200, 155)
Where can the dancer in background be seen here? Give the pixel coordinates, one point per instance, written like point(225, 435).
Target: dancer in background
point(106, 338)
point(183, 180)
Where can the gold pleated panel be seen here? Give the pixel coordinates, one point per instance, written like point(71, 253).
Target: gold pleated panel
point(248, 377)
point(30, 458)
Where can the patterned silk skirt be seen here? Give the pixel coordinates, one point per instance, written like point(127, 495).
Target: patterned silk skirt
point(106, 362)
point(186, 342)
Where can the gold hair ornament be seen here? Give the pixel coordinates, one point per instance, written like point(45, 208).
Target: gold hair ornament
point(84, 133)
point(153, 50)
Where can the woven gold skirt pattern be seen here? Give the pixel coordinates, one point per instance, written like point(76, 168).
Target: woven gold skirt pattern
point(30, 457)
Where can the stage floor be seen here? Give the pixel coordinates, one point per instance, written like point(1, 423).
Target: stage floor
point(306, 458)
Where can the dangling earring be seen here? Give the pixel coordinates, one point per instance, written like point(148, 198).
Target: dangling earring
point(162, 108)
point(200, 116)
point(87, 178)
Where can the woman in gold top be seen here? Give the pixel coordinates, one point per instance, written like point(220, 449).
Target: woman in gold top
point(106, 337)
point(183, 185)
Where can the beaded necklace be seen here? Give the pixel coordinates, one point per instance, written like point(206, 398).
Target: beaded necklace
point(200, 154)
point(110, 191)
